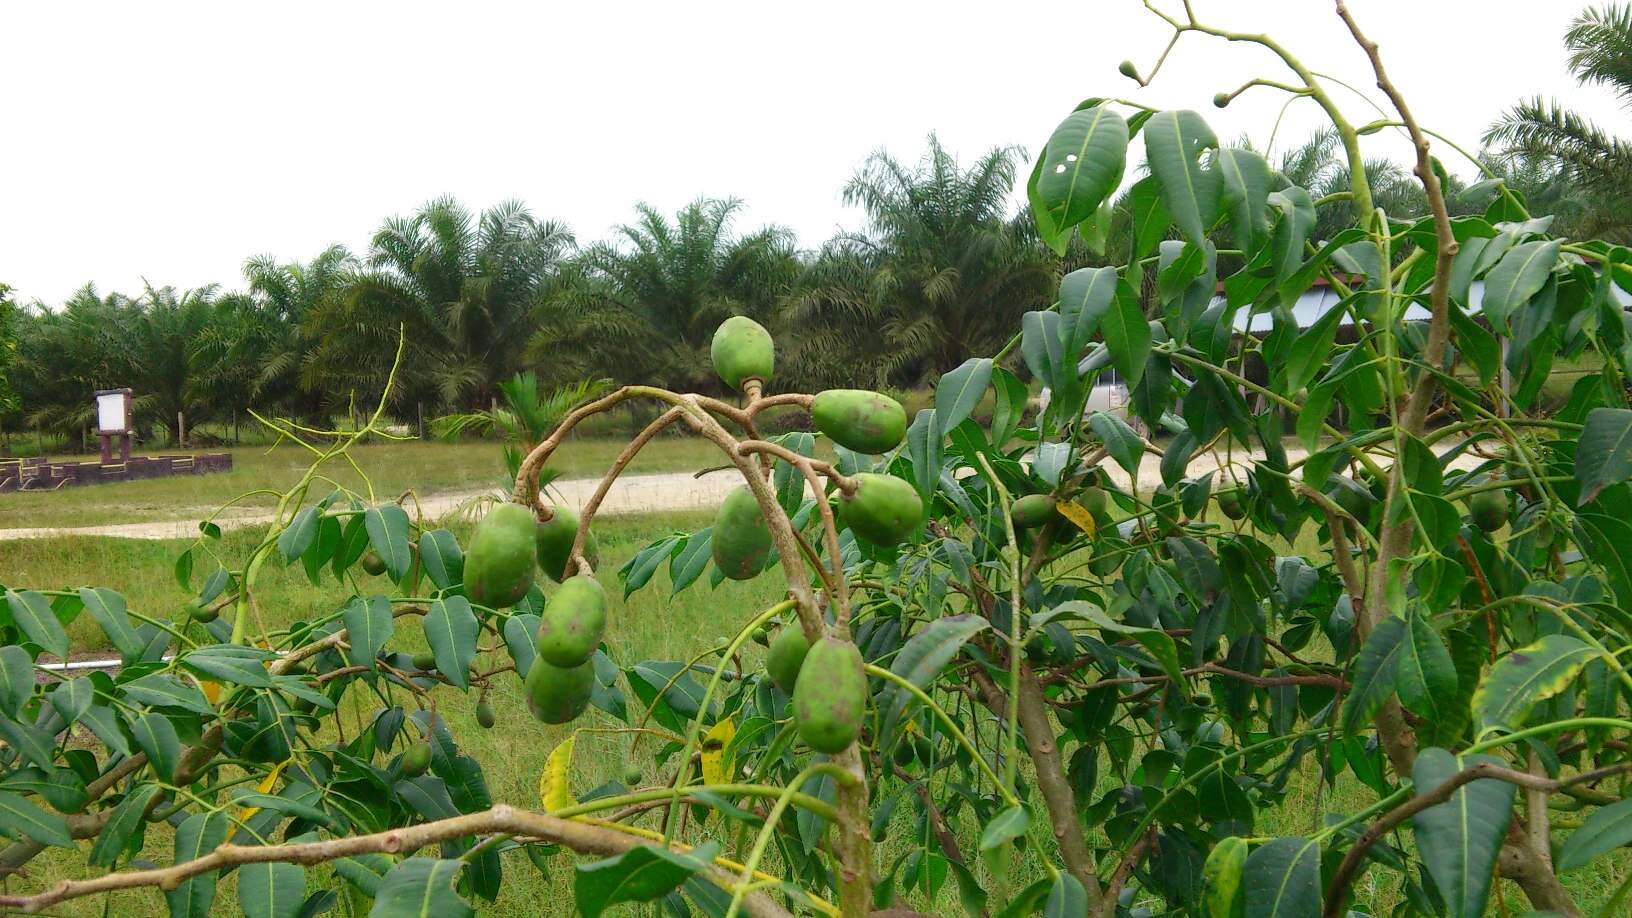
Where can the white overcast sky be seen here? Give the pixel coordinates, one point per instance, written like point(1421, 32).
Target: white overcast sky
point(169, 141)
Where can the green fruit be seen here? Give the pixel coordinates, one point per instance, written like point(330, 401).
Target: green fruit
point(201, 611)
point(742, 541)
point(372, 563)
point(786, 656)
point(1221, 99)
point(555, 540)
point(904, 755)
point(573, 622)
point(1094, 500)
point(883, 509)
point(762, 636)
point(924, 749)
point(416, 759)
point(1032, 511)
point(425, 662)
point(556, 695)
point(1037, 649)
point(830, 696)
point(1489, 510)
point(632, 775)
point(1229, 503)
point(499, 565)
point(484, 714)
point(1127, 69)
point(742, 350)
point(857, 419)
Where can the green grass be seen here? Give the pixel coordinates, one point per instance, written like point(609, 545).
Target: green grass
point(650, 625)
point(426, 466)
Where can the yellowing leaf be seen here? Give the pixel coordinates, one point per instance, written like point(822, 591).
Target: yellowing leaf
point(1079, 515)
point(212, 689)
point(717, 767)
point(553, 785)
point(267, 783)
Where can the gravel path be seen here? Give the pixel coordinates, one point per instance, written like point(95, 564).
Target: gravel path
point(630, 494)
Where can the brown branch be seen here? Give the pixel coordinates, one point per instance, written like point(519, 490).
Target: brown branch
point(576, 555)
point(581, 837)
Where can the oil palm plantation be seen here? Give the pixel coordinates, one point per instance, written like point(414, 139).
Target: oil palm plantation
point(943, 270)
point(1545, 135)
point(670, 284)
point(464, 287)
point(270, 331)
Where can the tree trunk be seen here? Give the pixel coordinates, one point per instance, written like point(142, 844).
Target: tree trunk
point(420, 409)
point(181, 430)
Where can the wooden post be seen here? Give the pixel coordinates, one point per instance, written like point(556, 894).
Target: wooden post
point(181, 430)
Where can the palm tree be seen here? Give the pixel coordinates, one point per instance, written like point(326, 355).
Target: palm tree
point(274, 335)
point(466, 289)
point(943, 271)
point(158, 340)
point(1544, 133)
point(673, 284)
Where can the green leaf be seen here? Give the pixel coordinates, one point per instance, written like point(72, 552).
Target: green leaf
point(21, 819)
point(923, 657)
point(71, 699)
point(1459, 839)
point(33, 614)
point(1224, 893)
point(1375, 671)
point(1066, 898)
point(232, 664)
point(1523, 677)
point(521, 637)
point(1174, 141)
point(1603, 456)
point(387, 527)
point(689, 563)
point(1085, 295)
point(960, 390)
point(1121, 441)
point(368, 626)
point(157, 737)
point(1150, 219)
point(271, 889)
point(1127, 335)
point(1005, 827)
point(1245, 193)
point(300, 534)
point(1519, 276)
point(444, 561)
point(640, 874)
point(35, 744)
point(16, 679)
point(421, 887)
point(1282, 878)
point(1425, 675)
point(107, 608)
point(198, 835)
point(1311, 350)
point(1477, 345)
point(128, 819)
point(451, 629)
point(1081, 165)
point(1602, 832)
point(1297, 221)
point(1158, 643)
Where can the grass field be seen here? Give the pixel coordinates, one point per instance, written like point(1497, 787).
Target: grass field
point(651, 625)
point(427, 467)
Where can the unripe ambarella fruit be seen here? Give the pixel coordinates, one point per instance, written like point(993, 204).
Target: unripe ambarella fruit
point(786, 656)
point(372, 563)
point(416, 759)
point(202, 612)
point(1032, 511)
point(484, 714)
point(742, 540)
point(425, 661)
point(830, 697)
point(883, 509)
point(742, 350)
point(1489, 509)
point(555, 694)
point(857, 419)
point(1229, 503)
point(573, 622)
point(1127, 69)
point(555, 540)
point(499, 564)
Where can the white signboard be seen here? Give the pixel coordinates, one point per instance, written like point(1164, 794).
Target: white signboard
point(110, 412)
